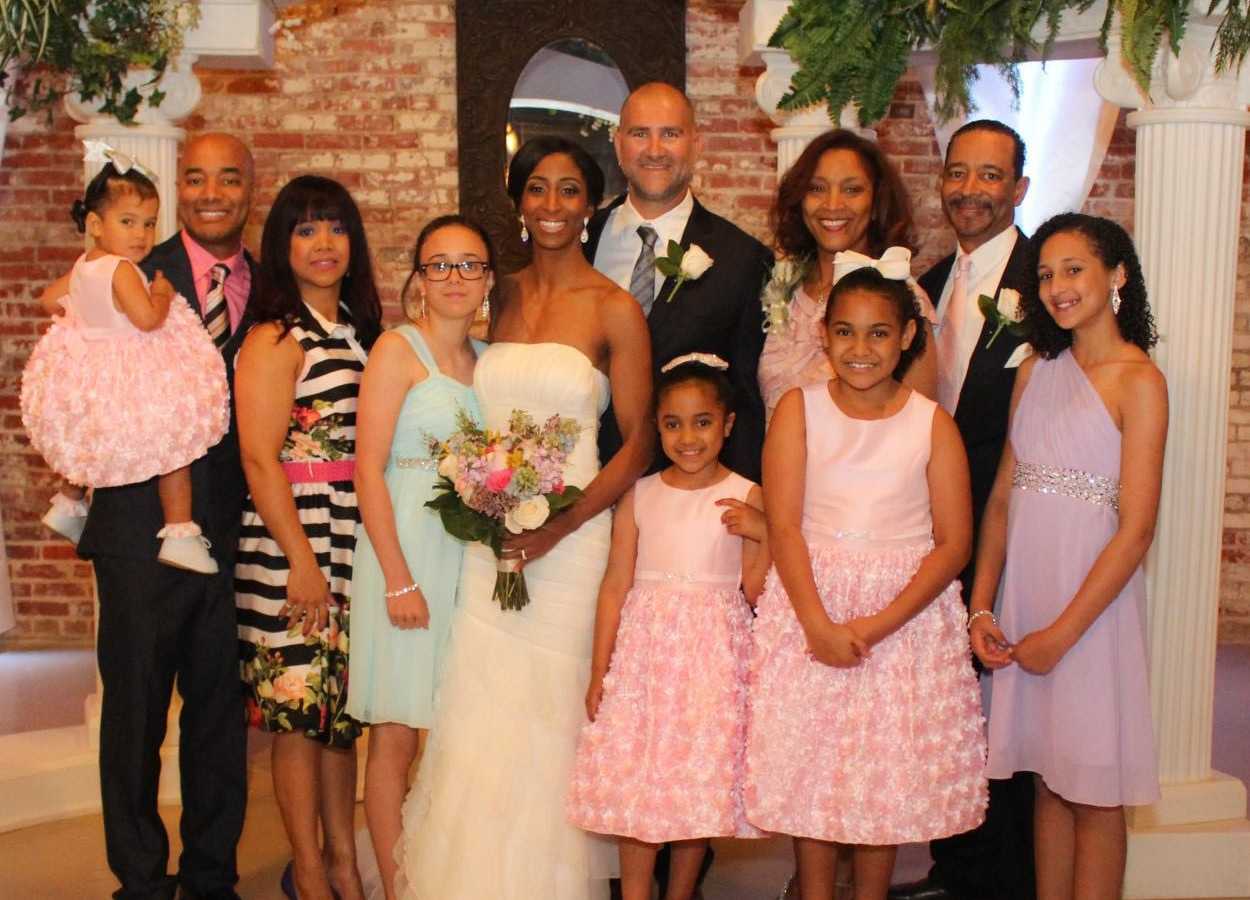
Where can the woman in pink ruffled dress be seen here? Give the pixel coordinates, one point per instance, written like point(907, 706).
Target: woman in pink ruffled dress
point(126, 384)
point(865, 725)
point(661, 760)
point(842, 195)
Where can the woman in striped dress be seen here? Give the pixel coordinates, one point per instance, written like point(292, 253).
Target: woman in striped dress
point(296, 386)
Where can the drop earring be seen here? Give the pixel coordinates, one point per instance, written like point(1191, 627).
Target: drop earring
point(1115, 300)
point(424, 311)
point(585, 230)
point(525, 233)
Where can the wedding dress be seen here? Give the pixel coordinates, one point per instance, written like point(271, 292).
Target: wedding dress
point(485, 818)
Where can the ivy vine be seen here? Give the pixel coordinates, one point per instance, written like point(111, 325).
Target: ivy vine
point(857, 50)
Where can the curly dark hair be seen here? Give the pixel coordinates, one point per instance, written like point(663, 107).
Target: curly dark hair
point(437, 224)
point(312, 198)
point(535, 150)
point(107, 185)
point(899, 293)
point(1113, 247)
point(890, 223)
point(716, 379)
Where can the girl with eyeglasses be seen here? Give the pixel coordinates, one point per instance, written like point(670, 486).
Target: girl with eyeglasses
point(419, 376)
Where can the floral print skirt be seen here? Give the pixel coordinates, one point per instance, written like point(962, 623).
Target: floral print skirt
point(298, 683)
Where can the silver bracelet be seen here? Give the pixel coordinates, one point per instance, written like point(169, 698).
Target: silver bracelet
point(391, 595)
point(982, 612)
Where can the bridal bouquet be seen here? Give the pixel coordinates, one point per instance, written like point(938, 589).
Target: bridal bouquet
point(493, 483)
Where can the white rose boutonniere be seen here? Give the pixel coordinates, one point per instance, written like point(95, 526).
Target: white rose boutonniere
point(1006, 313)
point(528, 515)
point(684, 264)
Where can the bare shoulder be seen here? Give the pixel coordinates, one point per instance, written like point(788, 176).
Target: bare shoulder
point(1139, 378)
point(267, 338)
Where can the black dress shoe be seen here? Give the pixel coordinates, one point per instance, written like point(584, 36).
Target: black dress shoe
point(218, 894)
point(920, 890)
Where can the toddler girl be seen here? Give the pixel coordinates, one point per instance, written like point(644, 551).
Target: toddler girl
point(865, 724)
point(126, 384)
point(1067, 526)
point(661, 760)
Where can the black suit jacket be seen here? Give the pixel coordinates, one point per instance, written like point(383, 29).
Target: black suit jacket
point(985, 398)
point(123, 521)
point(718, 313)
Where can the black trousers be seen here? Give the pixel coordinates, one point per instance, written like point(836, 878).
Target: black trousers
point(159, 625)
point(995, 860)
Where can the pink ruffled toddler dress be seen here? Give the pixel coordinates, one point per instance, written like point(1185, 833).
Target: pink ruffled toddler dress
point(892, 750)
point(663, 760)
point(107, 404)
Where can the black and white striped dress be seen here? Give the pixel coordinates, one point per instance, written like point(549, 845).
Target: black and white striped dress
point(299, 683)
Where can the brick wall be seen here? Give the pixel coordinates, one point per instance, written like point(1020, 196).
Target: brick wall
point(363, 92)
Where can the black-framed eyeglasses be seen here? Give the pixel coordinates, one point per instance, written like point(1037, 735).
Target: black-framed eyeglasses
point(470, 269)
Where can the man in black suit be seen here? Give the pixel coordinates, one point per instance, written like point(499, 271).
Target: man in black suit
point(657, 146)
point(159, 624)
point(981, 184)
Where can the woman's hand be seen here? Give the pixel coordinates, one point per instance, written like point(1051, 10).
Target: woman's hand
point(535, 543)
point(835, 645)
point(989, 643)
point(594, 696)
point(1040, 651)
point(409, 610)
point(307, 599)
point(743, 519)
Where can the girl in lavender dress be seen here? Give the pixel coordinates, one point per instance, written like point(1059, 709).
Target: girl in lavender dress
point(842, 195)
point(865, 726)
point(1067, 527)
point(662, 757)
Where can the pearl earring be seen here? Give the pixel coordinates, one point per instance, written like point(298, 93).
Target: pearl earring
point(585, 230)
point(525, 233)
point(1115, 300)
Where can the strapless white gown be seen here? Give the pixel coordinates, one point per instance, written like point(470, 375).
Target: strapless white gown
point(485, 818)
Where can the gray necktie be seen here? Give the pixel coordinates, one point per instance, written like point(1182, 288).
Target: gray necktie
point(642, 281)
point(216, 314)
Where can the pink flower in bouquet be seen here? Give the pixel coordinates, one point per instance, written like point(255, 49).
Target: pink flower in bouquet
point(498, 480)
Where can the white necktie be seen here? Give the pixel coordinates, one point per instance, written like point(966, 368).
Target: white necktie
point(950, 358)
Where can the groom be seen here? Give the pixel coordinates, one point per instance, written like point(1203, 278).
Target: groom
point(159, 624)
point(657, 146)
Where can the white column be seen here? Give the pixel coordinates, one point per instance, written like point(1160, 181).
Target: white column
point(1190, 143)
point(153, 140)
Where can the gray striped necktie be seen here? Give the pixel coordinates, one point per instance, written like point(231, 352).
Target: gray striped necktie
point(216, 315)
point(642, 281)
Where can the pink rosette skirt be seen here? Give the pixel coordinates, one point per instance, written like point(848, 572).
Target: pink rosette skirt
point(114, 407)
point(888, 752)
point(664, 758)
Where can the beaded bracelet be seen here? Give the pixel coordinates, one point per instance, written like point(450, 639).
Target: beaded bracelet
point(391, 595)
point(982, 612)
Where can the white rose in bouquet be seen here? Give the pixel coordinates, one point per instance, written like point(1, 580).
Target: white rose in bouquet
point(528, 515)
point(449, 466)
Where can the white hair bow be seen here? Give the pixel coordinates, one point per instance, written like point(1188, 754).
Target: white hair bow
point(711, 360)
point(894, 264)
point(101, 152)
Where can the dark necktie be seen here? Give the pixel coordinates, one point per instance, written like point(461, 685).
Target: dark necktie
point(216, 315)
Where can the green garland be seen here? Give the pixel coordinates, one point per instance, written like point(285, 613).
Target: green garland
point(857, 50)
point(87, 48)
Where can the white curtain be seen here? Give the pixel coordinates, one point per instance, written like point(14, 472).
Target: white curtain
point(1065, 125)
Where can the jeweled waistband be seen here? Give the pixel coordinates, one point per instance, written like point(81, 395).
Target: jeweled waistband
point(1074, 483)
point(415, 462)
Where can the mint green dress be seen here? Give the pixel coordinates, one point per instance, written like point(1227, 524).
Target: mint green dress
point(393, 672)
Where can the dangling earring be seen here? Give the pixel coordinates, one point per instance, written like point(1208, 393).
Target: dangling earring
point(525, 232)
point(485, 316)
point(585, 230)
point(1115, 300)
point(424, 312)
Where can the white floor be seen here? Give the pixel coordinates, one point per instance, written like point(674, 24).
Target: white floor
point(65, 860)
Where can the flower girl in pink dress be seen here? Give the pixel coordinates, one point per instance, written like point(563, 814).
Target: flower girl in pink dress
point(866, 724)
point(661, 760)
point(126, 384)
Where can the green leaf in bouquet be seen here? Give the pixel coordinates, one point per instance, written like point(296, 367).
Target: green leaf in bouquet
point(564, 500)
point(667, 267)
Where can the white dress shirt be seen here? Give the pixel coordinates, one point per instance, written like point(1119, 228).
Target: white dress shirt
point(619, 244)
point(989, 261)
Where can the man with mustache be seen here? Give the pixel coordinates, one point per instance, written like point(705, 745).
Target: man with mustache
point(160, 625)
point(657, 145)
point(981, 185)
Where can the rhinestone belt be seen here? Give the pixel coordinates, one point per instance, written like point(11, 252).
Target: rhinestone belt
point(1079, 485)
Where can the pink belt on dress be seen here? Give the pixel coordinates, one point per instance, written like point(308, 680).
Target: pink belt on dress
point(320, 471)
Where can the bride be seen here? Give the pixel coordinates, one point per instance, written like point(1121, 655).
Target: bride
point(486, 815)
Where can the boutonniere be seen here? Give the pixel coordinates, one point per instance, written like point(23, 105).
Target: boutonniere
point(1005, 314)
point(787, 275)
point(684, 264)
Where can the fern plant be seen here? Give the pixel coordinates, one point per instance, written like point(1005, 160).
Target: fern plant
point(857, 50)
